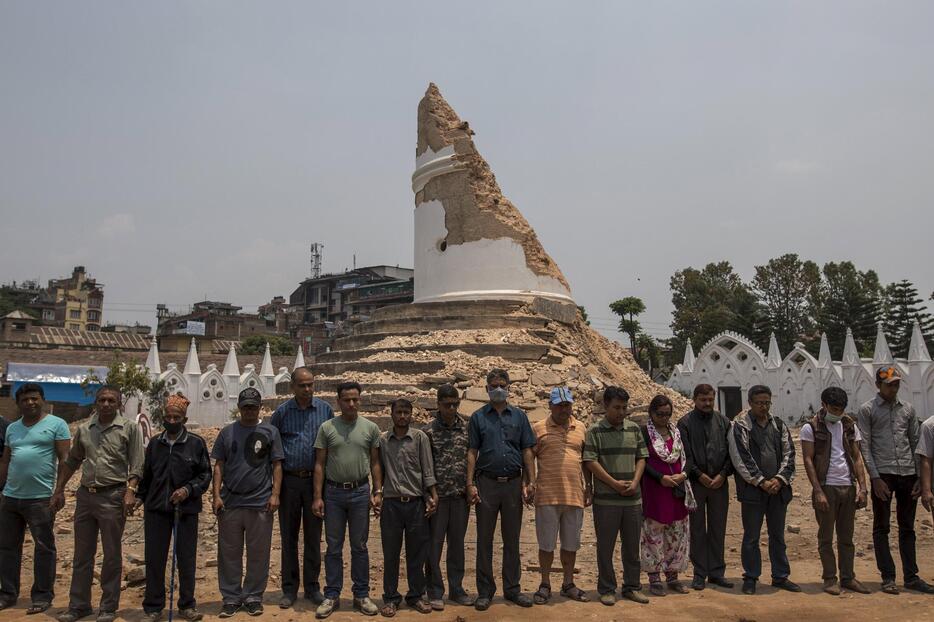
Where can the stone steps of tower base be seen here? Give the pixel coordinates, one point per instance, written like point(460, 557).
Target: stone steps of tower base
point(403, 367)
point(449, 322)
point(509, 351)
point(357, 342)
point(439, 309)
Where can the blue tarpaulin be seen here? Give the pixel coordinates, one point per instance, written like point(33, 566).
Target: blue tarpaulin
point(61, 383)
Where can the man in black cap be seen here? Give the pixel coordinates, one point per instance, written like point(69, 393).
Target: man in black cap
point(247, 481)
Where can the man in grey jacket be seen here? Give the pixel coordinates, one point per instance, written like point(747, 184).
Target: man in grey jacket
point(764, 458)
point(890, 431)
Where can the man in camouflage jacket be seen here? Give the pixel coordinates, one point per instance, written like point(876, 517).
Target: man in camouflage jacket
point(448, 436)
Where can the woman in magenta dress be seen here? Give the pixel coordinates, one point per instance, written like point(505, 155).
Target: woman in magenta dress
point(667, 499)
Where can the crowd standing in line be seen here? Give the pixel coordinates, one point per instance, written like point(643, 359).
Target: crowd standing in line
point(661, 491)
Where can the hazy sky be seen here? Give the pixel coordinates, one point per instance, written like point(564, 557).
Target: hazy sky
point(191, 150)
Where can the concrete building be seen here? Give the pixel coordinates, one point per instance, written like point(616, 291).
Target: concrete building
point(209, 321)
point(75, 302)
point(323, 308)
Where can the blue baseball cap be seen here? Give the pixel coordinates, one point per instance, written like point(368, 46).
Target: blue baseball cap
point(560, 395)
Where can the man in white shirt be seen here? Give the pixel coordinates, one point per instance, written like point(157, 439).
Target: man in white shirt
point(833, 462)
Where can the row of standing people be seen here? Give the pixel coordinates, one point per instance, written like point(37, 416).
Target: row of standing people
point(316, 469)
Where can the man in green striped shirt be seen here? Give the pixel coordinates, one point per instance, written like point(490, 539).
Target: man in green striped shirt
point(615, 453)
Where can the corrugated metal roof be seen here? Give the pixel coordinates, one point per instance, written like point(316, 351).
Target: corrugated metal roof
point(53, 335)
point(43, 372)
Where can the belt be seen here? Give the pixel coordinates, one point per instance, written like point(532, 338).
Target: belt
point(403, 499)
point(347, 485)
point(99, 489)
point(504, 478)
point(304, 474)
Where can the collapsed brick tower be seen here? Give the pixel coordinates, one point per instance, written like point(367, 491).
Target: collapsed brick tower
point(486, 295)
point(471, 243)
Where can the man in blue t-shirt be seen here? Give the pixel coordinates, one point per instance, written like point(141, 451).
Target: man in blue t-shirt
point(247, 481)
point(35, 448)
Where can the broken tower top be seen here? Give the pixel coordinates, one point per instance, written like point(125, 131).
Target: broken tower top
point(470, 241)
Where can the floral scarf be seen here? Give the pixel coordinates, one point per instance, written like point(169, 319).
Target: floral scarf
point(676, 454)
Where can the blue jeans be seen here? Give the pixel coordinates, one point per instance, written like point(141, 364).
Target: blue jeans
point(772, 510)
point(345, 509)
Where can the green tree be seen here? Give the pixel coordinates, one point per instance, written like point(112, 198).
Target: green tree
point(627, 309)
point(648, 352)
point(902, 307)
point(789, 291)
point(851, 299)
point(709, 301)
point(583, 314)
point(132, 380)
point(278, 345)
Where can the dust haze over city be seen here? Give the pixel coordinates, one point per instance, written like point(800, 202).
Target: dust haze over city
point(194, 151)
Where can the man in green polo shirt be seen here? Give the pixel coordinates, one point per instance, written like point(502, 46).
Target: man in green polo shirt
point(615, 454)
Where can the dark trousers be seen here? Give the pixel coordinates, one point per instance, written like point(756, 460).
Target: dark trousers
point(708, 530)
point(502, 500)
point(96, 514)
point(449, 524)
point(624, 522)
point(399, 520)
point(347, 510)
point(772, 509)
point(157, 528)
point(905, 508)
point(237, 527)
point(840, 515)
point(295, 513)
point(15, 516)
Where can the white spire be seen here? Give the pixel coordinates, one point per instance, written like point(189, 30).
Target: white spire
point(231, 367)
point(918, 350)
point(774, 358)
point(152, 359)
point(850, 353)
point(881, 355)
point(823, 358)
point(299, 359)
point(266, 369)
point(688, 365)
point(192, 366)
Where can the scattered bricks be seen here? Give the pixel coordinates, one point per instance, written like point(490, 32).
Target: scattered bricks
point(439, 380)
point(518, 375)
point(476, 394)
point(794, 529)
point(63, 530)
point(135, 560)
point(211, 563)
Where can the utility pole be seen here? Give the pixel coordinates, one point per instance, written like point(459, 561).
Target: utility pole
point(316, 249)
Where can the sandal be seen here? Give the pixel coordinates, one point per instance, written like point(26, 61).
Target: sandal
point(37, 608)
point(657, 588)
point(574, 593)
point(543, 595)
point(677, 587)
point(389, 610)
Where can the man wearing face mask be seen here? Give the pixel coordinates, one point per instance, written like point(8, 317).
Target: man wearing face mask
point(176, 473)
point(500, 476)
point(890, 431)
point(830, 444)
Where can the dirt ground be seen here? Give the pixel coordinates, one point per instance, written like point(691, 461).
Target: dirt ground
point(710, 604)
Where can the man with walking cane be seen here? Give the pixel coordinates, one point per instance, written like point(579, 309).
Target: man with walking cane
point(176, 472)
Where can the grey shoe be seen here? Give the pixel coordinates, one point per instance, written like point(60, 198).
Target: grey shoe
point(327, 607)
point(608, 599)
point(636, 597)
point(152, 616)
point(463, 599)
point(106, 616)
point(365, 606)
point(191, 614)
point(437, 604)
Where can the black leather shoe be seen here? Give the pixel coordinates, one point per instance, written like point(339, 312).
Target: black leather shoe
point(749, 586)
point(919, 585)
point(786, 584)
point(286, 601)
point(721, 581)
point(698, 583)
point(523, 600)
point(482, 603)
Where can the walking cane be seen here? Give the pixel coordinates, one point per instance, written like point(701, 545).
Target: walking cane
point(172, 576)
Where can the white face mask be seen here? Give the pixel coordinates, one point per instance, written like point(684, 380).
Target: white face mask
point(498, 394)
point(831, 419)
